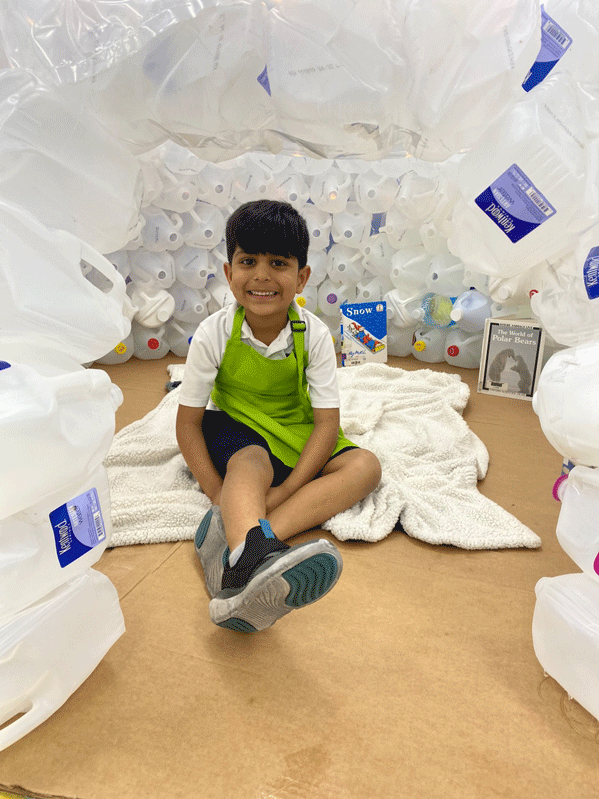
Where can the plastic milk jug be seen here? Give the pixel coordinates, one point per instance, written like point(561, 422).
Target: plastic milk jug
point(251, 184)
point(319, 226)
point(577, 529)
point(470, 310)
point(520, 288)
point(409, 268)
point(156, 268)
point(463, 349)
point(154, 305)
point(193, 266)
point(308, 298)
point(291, 188)
point(351, 226)
point(330, 191)
point(49, 649)
point(191, 305)
point(429, 344)
point(445, 275)
point(403, 308)
point(221, 295)
point(344, 265)
point(49, 542)
point(375, 193)
point(567, 417)
point(334, 325)
point(528, 188)
point(41, 276)
point(203, 226)
point(179, 193)
point(119, 354)
point(331, 297)
point(372, 288)
point(215, 185)
point(565, 635)
point(400, 339)
point(161, 232)
point(149, 343)
point(377, 255)
point(318, 261)
point(53, 429)
point(178, 336)
point(402, 232)
point(433, 239)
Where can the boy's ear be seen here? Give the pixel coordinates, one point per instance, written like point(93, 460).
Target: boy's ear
point(227, 271)
point(302, 278)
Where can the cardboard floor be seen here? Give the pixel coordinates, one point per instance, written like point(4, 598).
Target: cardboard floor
point(415, 677)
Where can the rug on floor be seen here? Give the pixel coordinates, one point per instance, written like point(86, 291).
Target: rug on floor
point(412, 420)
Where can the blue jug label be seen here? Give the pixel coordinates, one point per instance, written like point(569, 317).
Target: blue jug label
point(263, 80)
point(590, 273)
point(555, 42)
point(78, 527)
point(515, 204)
point(377, 222)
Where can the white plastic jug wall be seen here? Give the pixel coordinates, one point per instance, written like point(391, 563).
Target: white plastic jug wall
point(578, 523)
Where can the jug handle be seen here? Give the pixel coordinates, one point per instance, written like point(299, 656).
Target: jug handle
point(103, 265)
point(34, 714)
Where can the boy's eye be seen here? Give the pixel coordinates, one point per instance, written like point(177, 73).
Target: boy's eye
point(278, 262)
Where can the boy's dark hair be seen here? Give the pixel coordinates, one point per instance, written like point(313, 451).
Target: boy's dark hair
point(270, 226)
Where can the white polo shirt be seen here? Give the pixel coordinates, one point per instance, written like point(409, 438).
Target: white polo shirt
point(210, 340)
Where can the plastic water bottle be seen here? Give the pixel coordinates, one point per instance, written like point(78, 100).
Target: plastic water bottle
point(319, 226)
point(371, 289)
point(155, 306)
point(119, 354)
point(377, 255)
point(41, 275)
point(437, 310)
point(429, 344)
point(375, 193)
point(404, 309)
point(191, 305)
point(178, 336)
point(203, 226)
point(400, 340)
point(527, 188)
point(193, 266)
point(215, 186)
point(161, 232)
point(567, 417)
point(308, 299)
point(53, 429)
point(332, 296)
point(445, 275)
point(470, 310)
point(409, 268)
point(577, 530)
point(351, 227)
point(345, 265)
point(463, 349)
point(47, 650)
point(53, 540)
point(149, 343)
point(330, 191)
point(154, 268)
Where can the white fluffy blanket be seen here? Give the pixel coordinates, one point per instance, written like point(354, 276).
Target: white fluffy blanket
point(411, 420)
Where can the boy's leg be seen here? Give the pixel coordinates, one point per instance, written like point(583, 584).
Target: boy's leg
point(243, 494)
point(346, 479)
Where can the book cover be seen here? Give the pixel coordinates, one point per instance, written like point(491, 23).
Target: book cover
point(363, 333)
point(511, 359)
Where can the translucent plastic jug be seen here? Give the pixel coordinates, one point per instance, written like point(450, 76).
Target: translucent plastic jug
point(375, 193)
point(400, 340)
point(119, 354)
point(577, 529)
point(378, 253)
point(402, 232)
point(50, 648)
point(345, 265)
point(528, 188)
point(319, 226)
point(409, 268)
point(519, 288)
point(52, 430)
point(330, 191)
point(372, 288)
point(60, 535)
point(332, 296)
point(193, 266)
point(149, 343)
point(203, 226)
point(565, 635)
point(220, 293)
point(318, 262)
point(463, 349)
point(417, 196)
point(179, 193)
point(41, 277)
point(161, 231)
point(190, 304)
point(155, 306)
point(470, 310)
point(251, 184)
point(215, 185)
point(291, 188)
point(157, 268)
point(351, 226)
point(429, 344)
point(178, 336)
point(433, 239)
point(403, 308)
point(562, 402)
point(308, 298)
point(445, 275)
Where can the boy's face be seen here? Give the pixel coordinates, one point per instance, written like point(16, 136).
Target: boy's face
point(263, 283)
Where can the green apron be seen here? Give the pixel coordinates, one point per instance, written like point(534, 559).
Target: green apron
point(270, 396)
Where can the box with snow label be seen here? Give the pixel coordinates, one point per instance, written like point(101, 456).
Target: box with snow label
point(363, 333)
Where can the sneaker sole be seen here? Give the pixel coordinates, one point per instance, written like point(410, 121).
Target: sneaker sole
point(212, 557)
point(299, 577)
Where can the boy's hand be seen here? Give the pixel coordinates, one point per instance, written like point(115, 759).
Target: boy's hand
point(276, 496)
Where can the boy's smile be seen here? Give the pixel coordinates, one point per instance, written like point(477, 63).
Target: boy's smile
point(265, 284)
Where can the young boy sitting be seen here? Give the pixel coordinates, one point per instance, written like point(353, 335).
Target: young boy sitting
point(258, 425)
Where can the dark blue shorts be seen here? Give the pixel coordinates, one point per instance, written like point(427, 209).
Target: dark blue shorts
point(224, 437)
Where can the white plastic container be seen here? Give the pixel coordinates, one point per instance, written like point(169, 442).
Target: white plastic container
point(564, 403)
point(463, 349)
point(332, 296)
point(445, 275)
point(319, 226)
point(119, 354)
point(565, 635)
point(50, 648)
point(345, 265)
point(155, 306)
point(220, 295)
point(59, 536)
point(528, 188)
point(401, 307)
point(215, 185)
point(378, 253)
point(400, 340)
point(471, 309)
point(433, 239)
point(191, 305)
point(372, 288)
point(578, 523)
point(251, 184)
point(520, 288)
point(53, 429)
point(334, 325)
point(203, 226)
point(330, 191)
point(429, 344)
point(149, 343)
point(178, 336)
point(409, 268)
point(308, 298)
point(193, 266)
point(179, 193)
point(157, 268)
point(375, 193)
point(290, 187)
point(351, 227)
point(41, 276)
point(161, 231)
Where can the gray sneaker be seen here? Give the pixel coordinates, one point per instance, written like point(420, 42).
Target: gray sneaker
point(212, 549)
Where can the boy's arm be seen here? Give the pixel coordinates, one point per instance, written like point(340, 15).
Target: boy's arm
point(317, 451)
point(193, 448)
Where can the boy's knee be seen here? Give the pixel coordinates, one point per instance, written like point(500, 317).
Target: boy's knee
point(372, 465)
point(253, 454)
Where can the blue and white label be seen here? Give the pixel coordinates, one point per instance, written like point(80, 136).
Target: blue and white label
point(555, 43)
point(263, 80)
point(78, 527)
point(363, 332)
point(515, 204)
point(590, 274)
